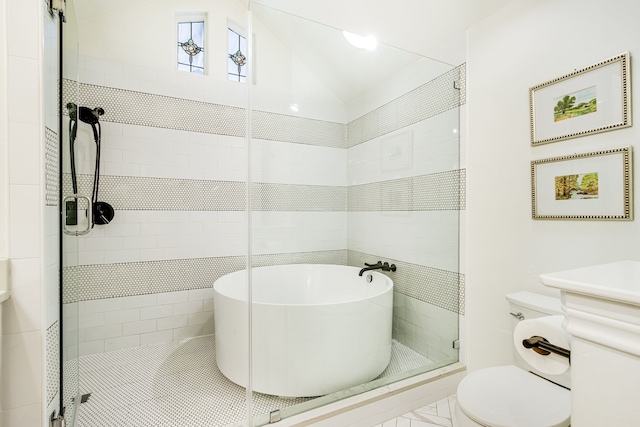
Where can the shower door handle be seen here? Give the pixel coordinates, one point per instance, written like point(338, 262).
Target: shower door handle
point(71, 221)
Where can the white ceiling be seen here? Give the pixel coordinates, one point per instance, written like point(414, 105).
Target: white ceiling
point(418, 26)
point(346, 71)
point(415, 25)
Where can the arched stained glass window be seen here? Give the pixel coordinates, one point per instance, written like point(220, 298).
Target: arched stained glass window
point(237, 54)
point(191, 46)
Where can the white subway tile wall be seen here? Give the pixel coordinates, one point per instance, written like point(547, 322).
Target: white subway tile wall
point(428, 329)
point(428, 147)
point(149, 235)
point(117, 323)
point(411, 236)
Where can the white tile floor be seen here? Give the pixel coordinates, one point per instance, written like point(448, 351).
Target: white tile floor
point(438, 414)
point(178, 384)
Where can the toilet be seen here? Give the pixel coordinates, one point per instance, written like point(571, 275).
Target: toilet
point(518, 395)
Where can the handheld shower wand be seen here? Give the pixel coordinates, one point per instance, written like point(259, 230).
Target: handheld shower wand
point(73, 129)
point(102, 212)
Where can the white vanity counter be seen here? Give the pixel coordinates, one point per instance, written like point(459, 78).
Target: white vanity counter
point(616, 281)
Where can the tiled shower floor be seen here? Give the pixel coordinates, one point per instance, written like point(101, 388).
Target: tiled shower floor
point(178, 384)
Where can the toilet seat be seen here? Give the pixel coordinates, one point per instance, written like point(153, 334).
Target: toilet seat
point(508, 396)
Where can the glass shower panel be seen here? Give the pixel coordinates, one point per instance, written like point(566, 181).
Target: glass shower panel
point(73, 218)
point(173, 167)
point(51, 288)
point(354, 161)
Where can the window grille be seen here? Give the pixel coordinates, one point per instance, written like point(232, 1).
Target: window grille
point(237, 63)
point(191, 46)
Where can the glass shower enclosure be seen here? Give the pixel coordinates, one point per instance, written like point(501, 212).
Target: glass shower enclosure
point(354, 159)
point(319, 153)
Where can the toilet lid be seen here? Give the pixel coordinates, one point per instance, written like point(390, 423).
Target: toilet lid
point(508, 396)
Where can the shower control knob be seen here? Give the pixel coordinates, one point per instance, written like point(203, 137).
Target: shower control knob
point(103, 213)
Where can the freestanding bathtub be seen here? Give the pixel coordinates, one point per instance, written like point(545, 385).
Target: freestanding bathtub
point(316, 329)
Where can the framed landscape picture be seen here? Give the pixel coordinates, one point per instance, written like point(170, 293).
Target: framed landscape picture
point(593, 185)
point(594, 99)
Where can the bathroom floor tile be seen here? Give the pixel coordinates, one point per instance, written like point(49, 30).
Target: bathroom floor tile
point(437, 414)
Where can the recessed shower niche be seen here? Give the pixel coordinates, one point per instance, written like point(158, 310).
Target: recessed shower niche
point(332, 154)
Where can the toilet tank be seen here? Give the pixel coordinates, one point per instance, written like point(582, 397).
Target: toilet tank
point(532, 305)
point(528, 305)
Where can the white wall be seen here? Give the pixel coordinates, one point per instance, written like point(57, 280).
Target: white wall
point(525, 44)
point(3, 164)
point(415, 74)
point(150, 30)
point(22, 346)
point(3, 135)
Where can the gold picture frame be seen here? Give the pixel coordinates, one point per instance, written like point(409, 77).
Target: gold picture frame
point(591, 100)
point(589, 186)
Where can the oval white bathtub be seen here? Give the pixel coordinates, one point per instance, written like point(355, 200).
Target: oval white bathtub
point(317, 328)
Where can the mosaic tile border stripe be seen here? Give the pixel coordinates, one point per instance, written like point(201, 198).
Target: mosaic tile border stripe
point(51, 167)
point(52, 356)
point(462, 187)
point(99, 281)
point(141, 193)
point(441, 288)
point(338, 257)
point(430, 99)
point(438, 191)
point(445, 289)
point(463, 83)
point(462, 296)
point(298, 198)
point(285, 128)
point(146, 109)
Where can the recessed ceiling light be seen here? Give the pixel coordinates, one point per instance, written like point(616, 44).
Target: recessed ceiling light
point(361, 42)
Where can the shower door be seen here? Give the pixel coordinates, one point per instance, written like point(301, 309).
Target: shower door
point(354, 160)
point(74, 208)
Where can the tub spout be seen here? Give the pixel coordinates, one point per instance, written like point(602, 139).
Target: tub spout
point(378, 266)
